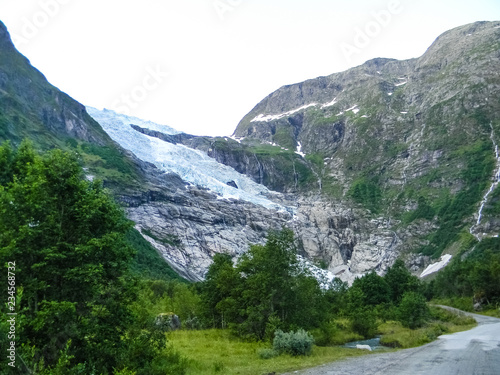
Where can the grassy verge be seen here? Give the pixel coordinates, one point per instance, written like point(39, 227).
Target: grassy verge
point(217, 352)
point(444, 322)
point(466, 304)
point(493, 312)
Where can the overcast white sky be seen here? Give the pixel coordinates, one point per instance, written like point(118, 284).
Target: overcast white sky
point(201, 65)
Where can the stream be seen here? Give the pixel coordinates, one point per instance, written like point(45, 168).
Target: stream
point(374, 343)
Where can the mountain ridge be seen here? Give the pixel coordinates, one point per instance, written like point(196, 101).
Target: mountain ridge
point(393, 159)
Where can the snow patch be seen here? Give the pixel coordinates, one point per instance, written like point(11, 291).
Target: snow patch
point(299, 150)
point(401, 84)
point(404, 113)
point(389, 93)
point(267, 118)
point(329, 104)
point(434, 267)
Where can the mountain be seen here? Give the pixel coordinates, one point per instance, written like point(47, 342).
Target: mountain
point(391, 158)
point(400, 137)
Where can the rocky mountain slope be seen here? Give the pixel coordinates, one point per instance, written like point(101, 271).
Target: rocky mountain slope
point(388, 158)
point(410, 146)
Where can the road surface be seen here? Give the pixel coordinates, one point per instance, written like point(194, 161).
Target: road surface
point(473, 352)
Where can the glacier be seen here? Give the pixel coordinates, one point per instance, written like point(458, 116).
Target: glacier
point(193, 166)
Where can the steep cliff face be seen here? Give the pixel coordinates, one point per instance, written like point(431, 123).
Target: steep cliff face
point(32, 108)
point(189, 226)
point(388, 158)
point(399, 136)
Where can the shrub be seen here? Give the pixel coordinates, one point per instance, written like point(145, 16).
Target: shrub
point(364, 323)
point(413, 311)
point(293, 343)
point(325, 334)
point(274, 323)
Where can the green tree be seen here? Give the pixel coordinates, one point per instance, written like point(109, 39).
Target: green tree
point(374, 287)
point(66, 236)
point(219, 292)
point(413, 311)
point(276, 285)
point(267, 289)
point(400, 280)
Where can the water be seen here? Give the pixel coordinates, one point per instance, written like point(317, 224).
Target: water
point(374, 343)
point(494, 184)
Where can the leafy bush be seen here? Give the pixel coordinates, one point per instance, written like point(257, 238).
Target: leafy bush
point(413, 310)
point(325, 334)
point(364, 323)
point(458, 318)
point(293, 343)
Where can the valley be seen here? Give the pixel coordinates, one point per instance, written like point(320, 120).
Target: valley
point(336, 211)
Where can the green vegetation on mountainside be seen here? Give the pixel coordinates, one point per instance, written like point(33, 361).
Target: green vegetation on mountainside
point(31, 108)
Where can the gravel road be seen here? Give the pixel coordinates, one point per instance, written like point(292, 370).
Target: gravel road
point(473, 352)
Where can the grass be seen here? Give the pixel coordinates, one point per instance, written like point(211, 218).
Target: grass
point(218, 352)
point(214, 351)
point(466, 304)
point(491, 312)
point(444, 322)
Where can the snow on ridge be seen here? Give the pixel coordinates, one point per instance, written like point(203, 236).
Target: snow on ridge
point(267, 118)
point(330, 103)
point(134, 120)
point(237, 139)
point(434, 267)
point(193, 166)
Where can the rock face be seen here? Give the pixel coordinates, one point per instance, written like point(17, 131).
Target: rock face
point(189, 226)
point(396, 119)
point(371, 160)
point(33, 108)
point(367, 158)
point(386, 159)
